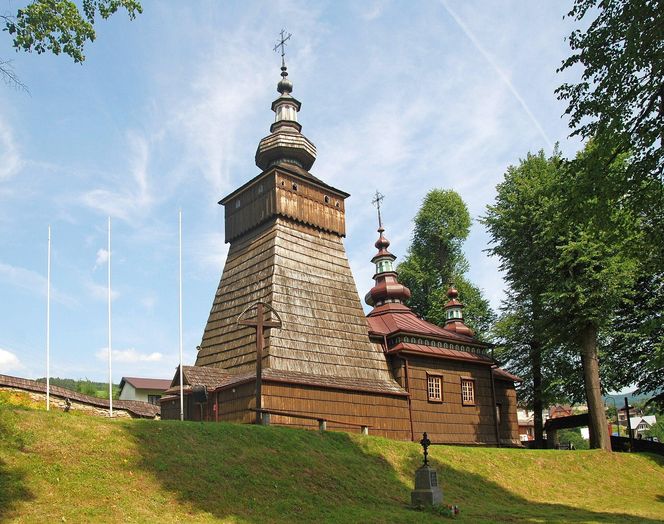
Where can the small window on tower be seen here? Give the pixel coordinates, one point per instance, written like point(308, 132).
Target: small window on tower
point(327, 199)
point(237, 204)
point(294, 186)
point(283, 182)
point(467, 391)
point(434, 388)
point(337, 204)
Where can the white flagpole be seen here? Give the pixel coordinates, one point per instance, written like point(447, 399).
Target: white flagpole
point(110, 374)
point(48, 325)
point(180, 314)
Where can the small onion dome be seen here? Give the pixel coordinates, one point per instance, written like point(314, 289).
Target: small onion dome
point(454, 315)
point(381, 245)
point(284, 86)
point(387, 288)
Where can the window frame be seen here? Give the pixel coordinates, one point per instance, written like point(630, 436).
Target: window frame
point(434, 376)
point(471, 381)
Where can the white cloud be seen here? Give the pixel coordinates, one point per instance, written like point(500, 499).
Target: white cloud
point(135, 199)
point(10, 158)
point(129, 356)
point(33, 282)
point(9, 362)
point(102, 258)
point(100, 291)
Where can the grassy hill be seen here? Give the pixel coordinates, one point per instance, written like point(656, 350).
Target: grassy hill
point(75, 468)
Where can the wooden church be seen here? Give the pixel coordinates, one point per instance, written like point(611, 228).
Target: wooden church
point(287, 294)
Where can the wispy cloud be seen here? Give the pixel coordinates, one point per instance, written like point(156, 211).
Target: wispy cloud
point(102, 258)
point(129, 202)
point(10, 157)
point(9, 362)
point(499, 71)
point(129, 356)
point(100, 291)
point(33, 282)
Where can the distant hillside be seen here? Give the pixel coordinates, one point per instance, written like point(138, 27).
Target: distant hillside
point(87, 387)
point(63, 467)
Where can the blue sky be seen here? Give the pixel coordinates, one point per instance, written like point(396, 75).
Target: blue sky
point(167, 111)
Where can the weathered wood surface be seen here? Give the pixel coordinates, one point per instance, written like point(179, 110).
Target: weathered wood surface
point(304, 275)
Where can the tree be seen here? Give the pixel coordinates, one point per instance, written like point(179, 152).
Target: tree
point(619, 101)
point(436, 258)
point(58, 26)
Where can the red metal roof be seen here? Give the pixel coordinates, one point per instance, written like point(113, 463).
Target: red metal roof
point(434, 351)
point(501, 374)
point(390, 319)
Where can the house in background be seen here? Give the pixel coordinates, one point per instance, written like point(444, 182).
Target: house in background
point(642, 424)
point(143, 389)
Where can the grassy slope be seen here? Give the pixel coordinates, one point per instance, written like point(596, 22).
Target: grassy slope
point(67, 467)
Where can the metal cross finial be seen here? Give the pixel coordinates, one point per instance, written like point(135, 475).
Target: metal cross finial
point(378, 198)
point(282, 44)
point(425, 442)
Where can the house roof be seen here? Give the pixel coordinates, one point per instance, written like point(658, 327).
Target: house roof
point(134, 407)
point(146, 383)
point(648, 419)
point(393, 318)
point(215, 378)
point(450, 354)
point(502, 374)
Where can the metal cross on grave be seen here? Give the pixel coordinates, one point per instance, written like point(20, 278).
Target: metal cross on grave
point(378, 198)
point(282, 44)
point(261, 325)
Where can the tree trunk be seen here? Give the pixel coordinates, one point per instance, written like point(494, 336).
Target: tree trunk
point(538, 402)
point(599, 431)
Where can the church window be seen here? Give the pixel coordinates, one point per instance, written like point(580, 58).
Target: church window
point(467, 391)
point(327, 199)
point(434, 388)
point(337, 204)
point(294, 186)
point(283, 182)
point(260, 188)
point(237, 204)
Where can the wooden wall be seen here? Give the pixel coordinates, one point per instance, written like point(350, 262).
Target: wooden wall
point(509, 425)
point(388, 415)
point(449, 421)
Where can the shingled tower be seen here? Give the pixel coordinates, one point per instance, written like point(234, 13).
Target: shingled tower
point(285, 228)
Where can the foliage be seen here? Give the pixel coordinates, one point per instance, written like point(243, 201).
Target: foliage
point(435, 259)
point(58, 26)
point(620, 98)
point(88, 469)
point(656, 430)
point(572, 436)
point(86, 386)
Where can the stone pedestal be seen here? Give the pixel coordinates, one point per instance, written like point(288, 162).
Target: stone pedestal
point(427, 491)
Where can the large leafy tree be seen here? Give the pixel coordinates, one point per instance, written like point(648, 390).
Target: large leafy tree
point(571, 252)
point(436, 258)
point(58, 26)
point(619, 100)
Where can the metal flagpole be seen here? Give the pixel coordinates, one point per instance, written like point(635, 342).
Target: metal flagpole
point(48, 325)
point(110, 374)
point(180, 314)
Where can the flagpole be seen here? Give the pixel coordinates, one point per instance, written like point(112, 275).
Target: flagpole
point(110, 374)
point(48, 324)
point(180, 313)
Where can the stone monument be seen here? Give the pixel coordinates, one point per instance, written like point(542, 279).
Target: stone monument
point(427, 492)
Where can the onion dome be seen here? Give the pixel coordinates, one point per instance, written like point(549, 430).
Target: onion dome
point(285, 143)
point(454, 314)
point(387, 288)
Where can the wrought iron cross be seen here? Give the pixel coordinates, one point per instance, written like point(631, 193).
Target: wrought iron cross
point(378, 198)
point(261, 325)
point(425, 442)
point(282, 44)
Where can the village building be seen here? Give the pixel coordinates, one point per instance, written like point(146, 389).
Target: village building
point(143, 389)
point(322, 361)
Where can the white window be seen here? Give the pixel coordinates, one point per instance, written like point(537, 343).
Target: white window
point(467, 392)
point(435, 389)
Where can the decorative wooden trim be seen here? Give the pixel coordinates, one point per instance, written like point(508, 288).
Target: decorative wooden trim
point(472, 381)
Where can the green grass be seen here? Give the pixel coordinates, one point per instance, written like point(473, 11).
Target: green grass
point(76, 468)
